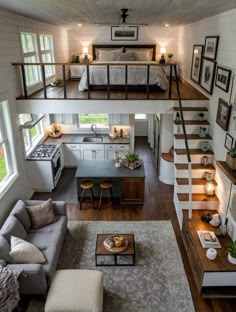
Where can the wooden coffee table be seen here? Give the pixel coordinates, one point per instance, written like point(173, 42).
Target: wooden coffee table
point(102, 251)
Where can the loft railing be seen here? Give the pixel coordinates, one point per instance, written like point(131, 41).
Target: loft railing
point(22, 66)
point(187, 147)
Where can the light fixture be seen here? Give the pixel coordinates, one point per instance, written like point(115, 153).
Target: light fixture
point(79, 24)
point(162, 59)
point(209, 188)
point(167, 25)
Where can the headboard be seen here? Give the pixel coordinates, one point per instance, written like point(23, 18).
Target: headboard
point(135, 46)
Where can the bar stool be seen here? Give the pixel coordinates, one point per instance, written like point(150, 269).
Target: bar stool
point(86, 185)
point(106, 185)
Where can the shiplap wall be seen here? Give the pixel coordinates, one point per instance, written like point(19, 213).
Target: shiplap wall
point(223, 25)
point(10, 52)
point(86, 36)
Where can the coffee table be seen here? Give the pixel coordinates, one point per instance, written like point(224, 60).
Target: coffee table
point(102, 251)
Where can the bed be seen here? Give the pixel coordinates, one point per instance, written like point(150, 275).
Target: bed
point(118, 56)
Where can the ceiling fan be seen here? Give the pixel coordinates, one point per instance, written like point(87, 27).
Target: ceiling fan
point(122, 21)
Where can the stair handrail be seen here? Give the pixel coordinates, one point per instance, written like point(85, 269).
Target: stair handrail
point(186, 145)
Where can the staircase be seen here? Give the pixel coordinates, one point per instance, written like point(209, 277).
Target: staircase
point(181, 183)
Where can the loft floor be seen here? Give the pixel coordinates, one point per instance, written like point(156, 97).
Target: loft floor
point(187, 92)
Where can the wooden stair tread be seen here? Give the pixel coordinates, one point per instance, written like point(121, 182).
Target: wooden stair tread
point(182, 151)
point(194, 109)
point(167, 157)
point(193, 122)
point(192, 137)
point(197, 197)
point(194, 167)
point(195, 181)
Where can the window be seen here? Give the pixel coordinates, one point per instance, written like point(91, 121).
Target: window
point(37, 48)
point(32, 136)
point(7, 161)
point(140, 116)
point(86, 120)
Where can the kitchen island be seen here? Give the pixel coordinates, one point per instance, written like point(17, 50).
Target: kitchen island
point(127, 184)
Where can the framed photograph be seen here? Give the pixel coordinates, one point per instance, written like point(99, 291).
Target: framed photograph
point(128, 33)
point(223, 114)
point(223, 76)
point(211, 47)
point(232, 99)
point(207, 75)
point(196, 63)
point(229, 140)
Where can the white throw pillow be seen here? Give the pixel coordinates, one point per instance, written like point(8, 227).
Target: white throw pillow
point(25, 252)
point(106, 55)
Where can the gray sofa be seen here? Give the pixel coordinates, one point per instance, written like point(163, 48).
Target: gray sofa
point(48, 239)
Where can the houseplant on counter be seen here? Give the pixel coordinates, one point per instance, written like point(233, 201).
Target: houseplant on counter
point(132, 160)
point(232, 252)
point(231, 158)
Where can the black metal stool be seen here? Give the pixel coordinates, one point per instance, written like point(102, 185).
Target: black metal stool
point(106, 185)
point(86, 185)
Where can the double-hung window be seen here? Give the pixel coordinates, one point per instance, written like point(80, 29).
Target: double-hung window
point(7, 159)
point(37, 48)
point(32, 136)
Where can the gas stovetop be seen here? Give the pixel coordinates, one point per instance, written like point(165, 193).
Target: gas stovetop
point(44, 152)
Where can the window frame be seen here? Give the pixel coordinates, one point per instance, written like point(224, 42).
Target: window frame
point(32, 142)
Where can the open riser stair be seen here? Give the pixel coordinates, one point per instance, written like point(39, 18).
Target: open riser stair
point(193, 123)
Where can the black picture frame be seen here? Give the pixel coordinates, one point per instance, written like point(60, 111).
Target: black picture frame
point(232, 99)
point(222, 79)
point(207, 74)
point(223, 114)
point(229, 140)
point(211, 47)
point(196, 62)
point(127, 33)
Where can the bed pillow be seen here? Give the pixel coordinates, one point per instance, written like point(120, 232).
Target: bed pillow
point(42, 214)
point(141, 54)
point(98, 52)
point(25, 252)
point(127, 56)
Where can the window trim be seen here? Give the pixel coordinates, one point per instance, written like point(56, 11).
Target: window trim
point(99, 126)
point(32, 142)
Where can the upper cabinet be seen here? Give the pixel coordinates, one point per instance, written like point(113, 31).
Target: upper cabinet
point(119, 119)
point(62, 119)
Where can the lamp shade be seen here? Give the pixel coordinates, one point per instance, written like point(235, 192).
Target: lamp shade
point(163, 50)
point(85, 50)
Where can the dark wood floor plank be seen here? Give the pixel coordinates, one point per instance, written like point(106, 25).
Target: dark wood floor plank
point(158, 206)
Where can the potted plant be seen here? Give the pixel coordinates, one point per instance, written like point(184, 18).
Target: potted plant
point(202, 132)
point(231, 158)
point(232, 252)
point(57, 83)
point(201, 116)
point(132, 159)
point(170, 55)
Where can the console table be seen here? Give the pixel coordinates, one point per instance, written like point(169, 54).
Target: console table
point(214, 278)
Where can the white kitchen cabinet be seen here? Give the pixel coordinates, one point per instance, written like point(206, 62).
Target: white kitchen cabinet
point(93, 151)
point(119, 119)
point(72, 154)
point(110, 150)
point(40, 175)
point(62, 119)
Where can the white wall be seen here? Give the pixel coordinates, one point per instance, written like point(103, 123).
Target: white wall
point(10, 52)
point(166, 133)
point(86, 36)
point(223, 25)
point(141, 127)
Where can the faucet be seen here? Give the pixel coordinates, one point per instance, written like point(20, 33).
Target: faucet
point(93, 128)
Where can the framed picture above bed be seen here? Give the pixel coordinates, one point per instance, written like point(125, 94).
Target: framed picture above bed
point(128, 33)
point(196, 63)
point(207, 75)
point(211, 46)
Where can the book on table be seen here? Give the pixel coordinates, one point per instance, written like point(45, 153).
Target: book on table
point(208, 239)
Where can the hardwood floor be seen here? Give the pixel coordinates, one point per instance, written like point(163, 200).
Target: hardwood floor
point(158, 206)
point(186, 90)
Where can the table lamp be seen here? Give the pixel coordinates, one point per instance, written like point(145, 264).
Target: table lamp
point(162, 59)
point(85, 52)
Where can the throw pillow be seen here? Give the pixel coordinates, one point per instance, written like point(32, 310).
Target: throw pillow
point(41, 214)
point(25, 252)
point(13, 226)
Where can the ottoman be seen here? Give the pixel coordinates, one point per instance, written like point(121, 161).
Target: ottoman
point(75, 290)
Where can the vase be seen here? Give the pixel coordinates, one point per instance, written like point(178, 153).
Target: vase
point(231, 259)
point(202, 132)
point(230, 161)
point(204, 145)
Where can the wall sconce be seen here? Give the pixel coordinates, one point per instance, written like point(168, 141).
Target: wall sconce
point(209, 188)
point(85, 52)
point(162, 59)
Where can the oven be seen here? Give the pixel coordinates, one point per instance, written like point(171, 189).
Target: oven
point(56, 167)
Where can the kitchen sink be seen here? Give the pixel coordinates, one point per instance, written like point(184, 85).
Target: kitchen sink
point(93, 139)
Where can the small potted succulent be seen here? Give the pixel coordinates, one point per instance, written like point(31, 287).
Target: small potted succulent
point(201, 116)
point(57, 83)
point(232, 252)
point(170, 55)
point(231, 158)
point(132, 159)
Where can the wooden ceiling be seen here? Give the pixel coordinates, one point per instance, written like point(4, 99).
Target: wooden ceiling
point(69, 13)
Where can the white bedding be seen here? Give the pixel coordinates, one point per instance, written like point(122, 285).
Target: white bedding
point(137, 75)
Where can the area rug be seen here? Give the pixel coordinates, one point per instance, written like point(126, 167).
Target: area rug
point(156, 283)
